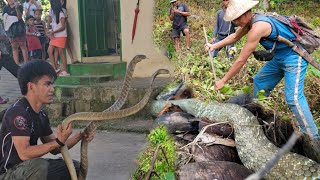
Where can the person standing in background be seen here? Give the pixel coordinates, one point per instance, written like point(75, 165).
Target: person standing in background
point(30, 6)
point(6, 60)
point(58, 36)
point(222, 29)
point(178, 15)
point(12, 15)
point(42, 29)
point(34, 44)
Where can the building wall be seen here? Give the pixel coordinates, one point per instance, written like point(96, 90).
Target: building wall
point(74, 31)
point(143, 41)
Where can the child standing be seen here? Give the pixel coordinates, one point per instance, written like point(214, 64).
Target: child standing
point(41, 27)
point(58, 36)
point(34, 44)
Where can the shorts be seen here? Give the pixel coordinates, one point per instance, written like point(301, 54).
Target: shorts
point(35, 54)
point(59, 42)
point(18, 39)
point(177, 31)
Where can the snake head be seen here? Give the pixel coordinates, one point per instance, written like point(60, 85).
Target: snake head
point(162, 71)
point(139, 58)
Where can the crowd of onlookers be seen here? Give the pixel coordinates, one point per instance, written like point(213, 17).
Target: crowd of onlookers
point(37, 39)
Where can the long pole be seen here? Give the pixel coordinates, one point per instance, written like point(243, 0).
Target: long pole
point(210, 55)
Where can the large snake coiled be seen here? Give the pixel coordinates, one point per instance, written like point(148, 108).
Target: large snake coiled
point(254, 149)
point(92, 126)
point(100, 116)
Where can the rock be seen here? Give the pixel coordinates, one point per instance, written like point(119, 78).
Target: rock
point(213, 170)
point(215, 153)
point(224, 130)
point(178, 122)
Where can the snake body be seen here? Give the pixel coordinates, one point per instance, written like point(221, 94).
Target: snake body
point(101, 116)
point(254, 149)
point(92, 126)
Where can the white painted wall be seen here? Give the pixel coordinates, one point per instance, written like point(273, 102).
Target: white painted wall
point(143, 42)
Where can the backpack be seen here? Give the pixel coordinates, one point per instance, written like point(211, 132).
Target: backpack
point(305, 35)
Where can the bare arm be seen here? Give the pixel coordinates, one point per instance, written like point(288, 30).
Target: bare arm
point(19, 13)
point(258, 31)
point(26, 151)
point(172, 14)
point(63, 25)
point(44, 27)
point(70, 142)
point(231, 39)
point(184, 13)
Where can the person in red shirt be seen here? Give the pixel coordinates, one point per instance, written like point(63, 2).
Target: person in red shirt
point(34, 44)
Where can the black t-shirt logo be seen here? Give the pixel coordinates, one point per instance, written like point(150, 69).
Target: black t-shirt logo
point(20, 123)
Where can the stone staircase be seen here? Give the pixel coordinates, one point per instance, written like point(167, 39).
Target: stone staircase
point(79, 91)
point(95, 87)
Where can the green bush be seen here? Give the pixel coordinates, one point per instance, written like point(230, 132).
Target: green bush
point(164, 170)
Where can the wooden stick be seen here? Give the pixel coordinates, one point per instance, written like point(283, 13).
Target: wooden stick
point(211, 58)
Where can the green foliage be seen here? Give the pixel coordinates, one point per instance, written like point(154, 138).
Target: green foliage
point(194, 66)
point(162, 168)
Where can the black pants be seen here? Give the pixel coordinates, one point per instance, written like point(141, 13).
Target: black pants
point(58, 169)
point(7, 62)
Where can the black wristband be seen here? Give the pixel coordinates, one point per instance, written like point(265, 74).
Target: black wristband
point(59, 142)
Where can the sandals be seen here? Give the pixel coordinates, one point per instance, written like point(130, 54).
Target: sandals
point(63, 73)
point(3, 101)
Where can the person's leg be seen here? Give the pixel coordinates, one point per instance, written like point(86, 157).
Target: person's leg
point(56, 56)
point(51, 56)
point(15, 52)
point(294, 75)
point(24, 51)
point(10, 65)
point(187, 36)
point(63, 59)
point(43, 49)
point(69, 51)
point(267, 77)
point(176, 38)
point(58, 169)
point(176, 44)
point(32, 169)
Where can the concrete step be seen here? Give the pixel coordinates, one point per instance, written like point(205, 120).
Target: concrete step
point(117, 70)
point(82, 79)
point(64, 90)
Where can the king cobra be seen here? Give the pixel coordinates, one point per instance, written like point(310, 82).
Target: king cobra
point(92, 126)
point(254, 149)
point(100, 116)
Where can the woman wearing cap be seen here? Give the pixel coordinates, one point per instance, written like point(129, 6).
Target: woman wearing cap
point(285, 63)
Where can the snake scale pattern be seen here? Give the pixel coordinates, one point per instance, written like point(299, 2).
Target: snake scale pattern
point(92, 126)
point(253, 147)
point(102, 116)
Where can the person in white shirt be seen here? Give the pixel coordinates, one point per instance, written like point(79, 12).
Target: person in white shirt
point(58, 36)
point(29, 6)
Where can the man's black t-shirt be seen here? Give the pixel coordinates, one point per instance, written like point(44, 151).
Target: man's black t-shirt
point(11, 10)
point(20, 120)
point(178, 19)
